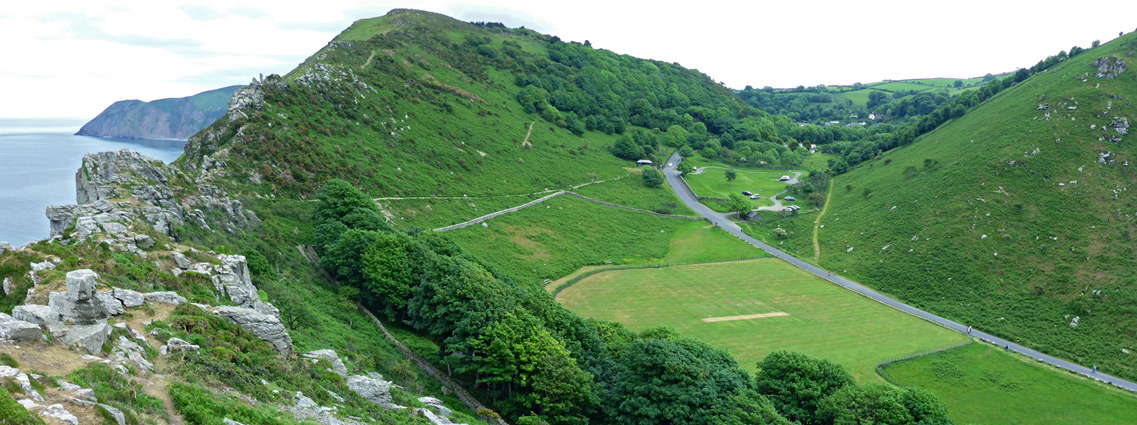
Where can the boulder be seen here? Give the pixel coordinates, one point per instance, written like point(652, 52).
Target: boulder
point(118, 416)
point(18, 330)
point(435, 404)
point(5, 247)
point(86, 312)
point(115, 228)
point(331, 356)
point(109, 303)
point(26, 387)
point(181, 260)
point(264, 326)
point(81, 284)
point(127, 350)
point(164, 297)
point(56, 411)
point(376, 391)
point(85, 394)
point(232, 279)
point(39, 267)
point(89, 337)
point(178, 345)
point(127, 297)
point(41, 315)
point(143, 241)
point(8, 286)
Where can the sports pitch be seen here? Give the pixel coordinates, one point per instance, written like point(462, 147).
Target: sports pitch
point(789, 308)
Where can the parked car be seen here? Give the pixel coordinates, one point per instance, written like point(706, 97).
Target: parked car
point(784, 178)
point(746, 193)
point(790, 198)
point(755, 196)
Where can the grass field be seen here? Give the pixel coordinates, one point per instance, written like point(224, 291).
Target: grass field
point(823, 320)
point(713, 183)
point(551, 239)
point(983, 385)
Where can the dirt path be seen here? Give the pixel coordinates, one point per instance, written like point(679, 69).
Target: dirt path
point(817, 224)
point(369, 58)
point(156, 384)
point(525, 142)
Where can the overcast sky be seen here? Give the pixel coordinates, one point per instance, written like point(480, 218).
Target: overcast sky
point(74, 58)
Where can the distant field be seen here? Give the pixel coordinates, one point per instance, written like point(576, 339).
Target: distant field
point(981, 384)
point(823, 320)
point(630, 191)
point(713, 183)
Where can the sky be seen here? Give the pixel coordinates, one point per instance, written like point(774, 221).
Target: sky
point(72, 59)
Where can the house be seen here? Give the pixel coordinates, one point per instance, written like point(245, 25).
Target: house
point(643, 162)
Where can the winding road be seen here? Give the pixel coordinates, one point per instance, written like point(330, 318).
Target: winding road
point(684, 192)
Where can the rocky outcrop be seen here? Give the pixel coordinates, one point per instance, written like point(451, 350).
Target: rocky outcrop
point(374, 389)
point(114, 189)
point(251, 98)
point(12, 329)
point(262, 323)
point(173, 118)
point(231, 279)
point(331, 356)
point(164, 297)
point(178, 345)
point(1109, 67)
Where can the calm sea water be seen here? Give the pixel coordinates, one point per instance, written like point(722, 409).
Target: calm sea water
point(38, 161)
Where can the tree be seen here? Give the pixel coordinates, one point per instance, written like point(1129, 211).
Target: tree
point(730, 175)
point(388, 271)
point(686, 152)
point(797, 383)
point(880, 403)
point(652, 177)
point(627, 148)
point(739, 204)
point(957, 84)
point(338, 199)
point(709, 153)
point(685, 168)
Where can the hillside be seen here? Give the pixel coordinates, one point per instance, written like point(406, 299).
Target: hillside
point(173, 118)
point(1015, 217)
point(258, 281)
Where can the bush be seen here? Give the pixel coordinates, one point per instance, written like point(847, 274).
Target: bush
point(12, 413)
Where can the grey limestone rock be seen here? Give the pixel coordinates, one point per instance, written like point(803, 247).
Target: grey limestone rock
point(89, 337)
point(331, 356)
point(143, 241)
point(118, 416)
point(127, 350)
point(39, 267)
point(264, 326)
point(81, 284)
point(56, 411)
point(1109, 67)
point(127, 297)
point(376, 391)
point(178, 345)
point(164, 297)
point(41, 315)
point(181, 260)
point(232, 279)
point(8, 286)
point(228, 421)
point(18, 330)
point(435, 404)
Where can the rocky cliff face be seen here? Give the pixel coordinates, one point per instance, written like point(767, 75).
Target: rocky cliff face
point(120, 187)
point(174, 118)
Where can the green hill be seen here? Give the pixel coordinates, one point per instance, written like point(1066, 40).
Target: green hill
point(419, 104)
point(1012, 218)
point(173, 118)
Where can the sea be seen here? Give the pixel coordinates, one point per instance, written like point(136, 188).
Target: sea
point(38, 162)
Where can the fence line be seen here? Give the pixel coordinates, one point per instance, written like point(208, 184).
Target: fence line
point(590, 273)
point(880, 366)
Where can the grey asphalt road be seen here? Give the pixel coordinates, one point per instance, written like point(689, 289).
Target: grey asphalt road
point(684, 192)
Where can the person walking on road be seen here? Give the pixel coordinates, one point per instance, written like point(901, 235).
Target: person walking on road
point(1095, 368)
point(969, 330)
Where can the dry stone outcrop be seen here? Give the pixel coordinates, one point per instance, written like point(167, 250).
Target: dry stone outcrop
point(331, 356)
point(1109, 67)
point(262, 323)
point(12, 329)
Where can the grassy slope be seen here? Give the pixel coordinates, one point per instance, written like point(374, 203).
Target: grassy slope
point(1048, 247)
point(554, 238)
point(824, 320)
point(981, 384)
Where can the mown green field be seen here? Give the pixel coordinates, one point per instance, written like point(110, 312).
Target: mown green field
point(554, 238)
point(823, 320)
point(701, 242)
point(982, 385)
point(713, 183)
point(630, 191)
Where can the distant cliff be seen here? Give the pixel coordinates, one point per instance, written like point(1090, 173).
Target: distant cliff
point(174, 118)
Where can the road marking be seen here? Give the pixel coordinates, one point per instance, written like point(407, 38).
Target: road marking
point(746, 317)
